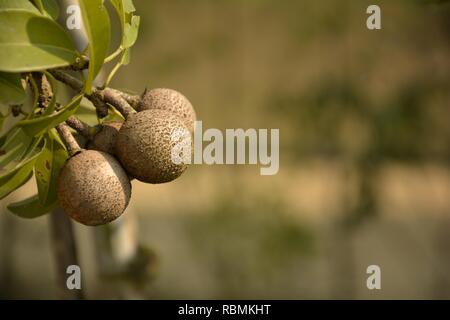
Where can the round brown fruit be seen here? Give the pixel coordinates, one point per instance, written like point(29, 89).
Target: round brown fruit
point(145, 142)
point(169, 100)
point(93, 188)
point(105, 138)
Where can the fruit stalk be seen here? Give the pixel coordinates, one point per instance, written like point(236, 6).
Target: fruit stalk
point(114, 98)
point(77, 85)
point(71, 144)
point(78, 125)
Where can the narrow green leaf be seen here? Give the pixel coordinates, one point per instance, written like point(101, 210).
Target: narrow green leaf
point(128, 6)
point(2, 120)
point(30, 42)
point(129, 22)
point(130, 32)
point(18, 162)
point(48, 7)
point(31, 208)
point(11, 89)
point(52, 8)
point(47, 168)
point(125, 57)
point(123, 8)
point(22, 172)
point(98, 30)
point(14, 146)
point(13, 183)
point(39, 125)
point(39, 5)
point(17, 5)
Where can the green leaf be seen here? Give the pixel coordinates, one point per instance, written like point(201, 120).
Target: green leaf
point(125, 57)
point(52, 8)
point(13, 183)
point(30, 208)
point(20, 160)
point(11, 89)
point(129, 22)
point(39, 5)
point(86, 113)
point(2, 120)
point(14, 146)
point(38, 125)
point(128, 6)
point(17, 5)
point(130, 32)
point(47, 168)
point(124, 9)
point(98, 30)
point(22, 171)
point(30, 42)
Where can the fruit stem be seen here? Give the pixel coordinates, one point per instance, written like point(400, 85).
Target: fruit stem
point(114, 98)
point(120, 100)
point(67, 79)
point(81, 127)
point(133, 100)
point(65, 252)
point(72, 145)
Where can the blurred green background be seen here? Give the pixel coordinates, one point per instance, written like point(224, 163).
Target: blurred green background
point(364, 156)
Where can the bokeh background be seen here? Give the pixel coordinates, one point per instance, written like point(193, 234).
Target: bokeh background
point(364, 157)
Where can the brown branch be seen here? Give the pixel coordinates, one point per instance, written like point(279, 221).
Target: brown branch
point(72, 145)
point(81, 127)
point(77, 85)
point(123, 102)
point(114, 98)
point(66, 78)
point(133, 100)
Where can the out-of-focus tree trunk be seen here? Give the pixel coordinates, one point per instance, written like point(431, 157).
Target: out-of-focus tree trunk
point(64, 247)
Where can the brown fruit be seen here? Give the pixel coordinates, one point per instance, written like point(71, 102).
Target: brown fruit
point(145, 142)
point(169, 100)
point(93, 188)
point(105, 138)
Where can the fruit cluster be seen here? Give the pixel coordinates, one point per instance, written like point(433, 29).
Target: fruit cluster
point(94, 185)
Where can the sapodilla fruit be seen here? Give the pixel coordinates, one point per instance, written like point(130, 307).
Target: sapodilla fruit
point(93, 188)
point(169, 100)
point(105, 138)
point(145, 143)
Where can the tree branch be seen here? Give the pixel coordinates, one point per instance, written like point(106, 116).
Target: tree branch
point(114, 98)
point(66, 78)
point(81, 127)
point(133, 100)
point(77, 85)
point(72, 145)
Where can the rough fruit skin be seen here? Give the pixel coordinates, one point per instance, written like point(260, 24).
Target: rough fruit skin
point(169, 100)
point(105, 139)
point(93, 188)
point(144, 146)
